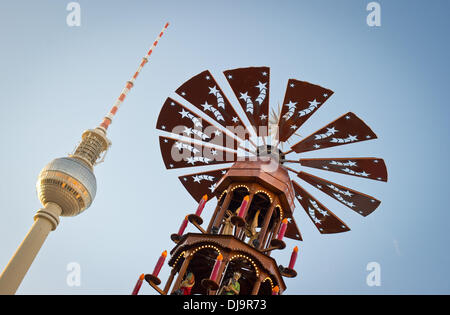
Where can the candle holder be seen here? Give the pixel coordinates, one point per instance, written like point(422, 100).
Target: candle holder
point(210, 284)
point(152, 279)
point(237, 221)
point(193, 218)
point(175, 238)
point(287, 272)
point(278, 244)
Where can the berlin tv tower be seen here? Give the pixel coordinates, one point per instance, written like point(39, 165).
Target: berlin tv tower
point(65, 187)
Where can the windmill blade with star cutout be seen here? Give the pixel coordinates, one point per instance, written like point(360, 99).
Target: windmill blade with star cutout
point(199, 184)
point(345, 130)
point(251, 87)
point(177, 119)
point(301, 100)
point(204, 92)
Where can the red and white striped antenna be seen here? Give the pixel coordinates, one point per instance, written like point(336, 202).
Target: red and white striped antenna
point(109, 117)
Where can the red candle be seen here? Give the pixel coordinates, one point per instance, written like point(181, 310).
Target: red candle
point(243, 208)
point(183, 226)
point(275, 290)
point(138, 285)
point(293, 258)
point(282, 229)
point(160, 263)
point(201, 205)
point(215, 271)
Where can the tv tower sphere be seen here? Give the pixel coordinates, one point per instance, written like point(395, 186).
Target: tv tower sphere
point(70, 181)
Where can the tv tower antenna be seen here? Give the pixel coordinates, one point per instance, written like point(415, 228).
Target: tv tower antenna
point(66, 187)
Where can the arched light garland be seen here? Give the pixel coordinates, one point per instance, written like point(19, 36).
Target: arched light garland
point(265, 193)
point(281, 211)
point(240, 186)
point(178, 258)
point(221, 195)
point(270, 280)
point(205, 246)
point(249, 259)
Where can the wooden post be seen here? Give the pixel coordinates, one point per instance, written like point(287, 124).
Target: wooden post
point(213, 218)
point(182, 271)
point(218, 219)
point(170, 280)
point(257, 285)
point(265, 225)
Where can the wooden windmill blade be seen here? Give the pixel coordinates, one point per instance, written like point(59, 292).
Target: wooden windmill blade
point(324, 220)
point(177, 153)
point(201, 183)
point(203, 92)
point(178, 119)
point(360, 203)
point(345, 130)
point(302, 99)
point(251, 87)
point(371, 168)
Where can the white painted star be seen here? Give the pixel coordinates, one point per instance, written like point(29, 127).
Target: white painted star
point(244, 96)
point(184, 178)
point(291, 104)
point(206, 106)
point(224, 172)
point(212, 187)
point(375, 161)
point(230, 76)
point(261, 86)
point(190, 160)
point(263, 117)
point(364, 174)
point(213, 152)
point(179, 145)
point(171, 165)
point(347, 193)
point(163, 127)
point(319, 186)
point(264, 73)
point(347, 117)
point(331, 130)
point(165, 140)
point(183, 93)
point(172, 104)
point(325, 95)
point(316, 146)
point(352, 138)
point(325, 167)
point(293, 127)
point(183, 113)
point(213, 90)
point(292, 85)
point(314, 103)
point(235, 119)
point(196, 179)
point(187, 131)
point(207, 77)
point(351, 163)
point(367, 137)
point(299, 197)
point(217, 133)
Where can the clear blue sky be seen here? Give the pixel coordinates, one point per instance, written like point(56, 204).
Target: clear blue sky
point(57, 81)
